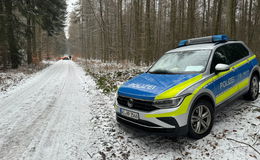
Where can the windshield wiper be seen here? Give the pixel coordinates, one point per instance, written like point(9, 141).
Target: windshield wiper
point(161, 72)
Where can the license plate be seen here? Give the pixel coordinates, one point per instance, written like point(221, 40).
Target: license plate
point(129, 114)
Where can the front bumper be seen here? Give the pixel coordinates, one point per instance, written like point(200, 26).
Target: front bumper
point(156, 125)
point(148, 129)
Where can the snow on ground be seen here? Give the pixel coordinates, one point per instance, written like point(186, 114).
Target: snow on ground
point(60, 114)
point(48, 116)
point(12, 77)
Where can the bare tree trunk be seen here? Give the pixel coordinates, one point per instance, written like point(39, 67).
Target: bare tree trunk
point(40, 43)
point(34, 40)
point(208, 17)
point(204, 14)
point(102, 34)
point(158, 29)
point(173, 23)
point(153, 30)
point(191, 18)
point(181, 21)
point(138, 24)
point(249, 23)
point(120, 31)
point(29, 33)
point(214, 16)
point(148, 32)
point(243, 21)
point(12, 45)
point(218, 19)
point(47, 48)
point(232, 18)
point(3, 38)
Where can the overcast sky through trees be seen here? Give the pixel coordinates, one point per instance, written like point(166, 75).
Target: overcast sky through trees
point(70, 8)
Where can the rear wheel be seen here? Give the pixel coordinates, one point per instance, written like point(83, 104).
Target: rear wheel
point(201, 119)
point(253, 92)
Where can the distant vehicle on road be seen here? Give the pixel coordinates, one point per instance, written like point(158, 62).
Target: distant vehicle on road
point(65, 58)
point(179, 94)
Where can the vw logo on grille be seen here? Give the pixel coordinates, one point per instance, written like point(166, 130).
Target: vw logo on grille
point(130, 103)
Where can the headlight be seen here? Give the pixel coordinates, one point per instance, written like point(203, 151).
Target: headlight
point(170, 103)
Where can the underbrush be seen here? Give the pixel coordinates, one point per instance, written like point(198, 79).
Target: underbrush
point(109, 76)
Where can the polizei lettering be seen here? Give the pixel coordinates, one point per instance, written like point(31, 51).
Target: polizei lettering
point(142, 86)
point(227, 83)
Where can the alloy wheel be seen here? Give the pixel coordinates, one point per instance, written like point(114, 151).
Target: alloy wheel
point(255, 86)
point(201, 119)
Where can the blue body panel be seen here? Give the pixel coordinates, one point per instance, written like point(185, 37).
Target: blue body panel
point(147, 86)
point(231, 79)
point(254, 62)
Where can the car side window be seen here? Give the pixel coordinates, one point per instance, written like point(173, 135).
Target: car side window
point(219, 57)
point(236, 51)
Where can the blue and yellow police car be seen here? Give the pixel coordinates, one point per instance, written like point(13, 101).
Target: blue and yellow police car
point(179, 94)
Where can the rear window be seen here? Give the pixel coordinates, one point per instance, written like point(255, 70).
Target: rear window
point(235, 52)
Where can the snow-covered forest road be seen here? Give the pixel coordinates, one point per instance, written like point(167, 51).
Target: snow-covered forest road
point(59, 114)
point(48, 116)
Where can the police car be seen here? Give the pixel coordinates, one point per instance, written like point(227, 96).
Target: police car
point(179, 94)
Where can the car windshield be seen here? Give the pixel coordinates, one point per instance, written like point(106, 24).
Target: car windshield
point(192, 61)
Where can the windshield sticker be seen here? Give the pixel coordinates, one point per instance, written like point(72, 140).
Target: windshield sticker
point(194, 68)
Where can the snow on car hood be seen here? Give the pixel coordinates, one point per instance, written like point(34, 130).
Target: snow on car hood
point(147, 86)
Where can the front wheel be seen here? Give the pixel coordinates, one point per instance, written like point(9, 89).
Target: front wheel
point(201, 119)
point(253, 92)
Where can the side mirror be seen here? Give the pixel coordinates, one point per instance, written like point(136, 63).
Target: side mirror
point(221, 68)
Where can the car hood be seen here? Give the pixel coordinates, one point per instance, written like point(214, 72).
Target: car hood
point(147, 86)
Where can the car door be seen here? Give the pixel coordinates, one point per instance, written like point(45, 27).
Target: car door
point(224, 84)
point(238, 56)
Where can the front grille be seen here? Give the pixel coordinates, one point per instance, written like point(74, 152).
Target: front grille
point(137, 104)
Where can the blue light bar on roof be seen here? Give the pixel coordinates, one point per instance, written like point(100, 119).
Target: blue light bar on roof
point(183, 43)
point(220, 38)
point(201, 40)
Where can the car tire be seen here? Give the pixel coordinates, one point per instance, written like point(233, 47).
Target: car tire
point(200, 119)
point(253, 92)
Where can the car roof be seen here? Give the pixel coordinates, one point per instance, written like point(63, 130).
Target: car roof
point(194, 47)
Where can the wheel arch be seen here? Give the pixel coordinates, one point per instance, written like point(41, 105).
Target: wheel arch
point(256, 72)
point(204, 96)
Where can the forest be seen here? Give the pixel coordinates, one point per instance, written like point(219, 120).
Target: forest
point(31, 30)
point(137, 31)
point(140, 31)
